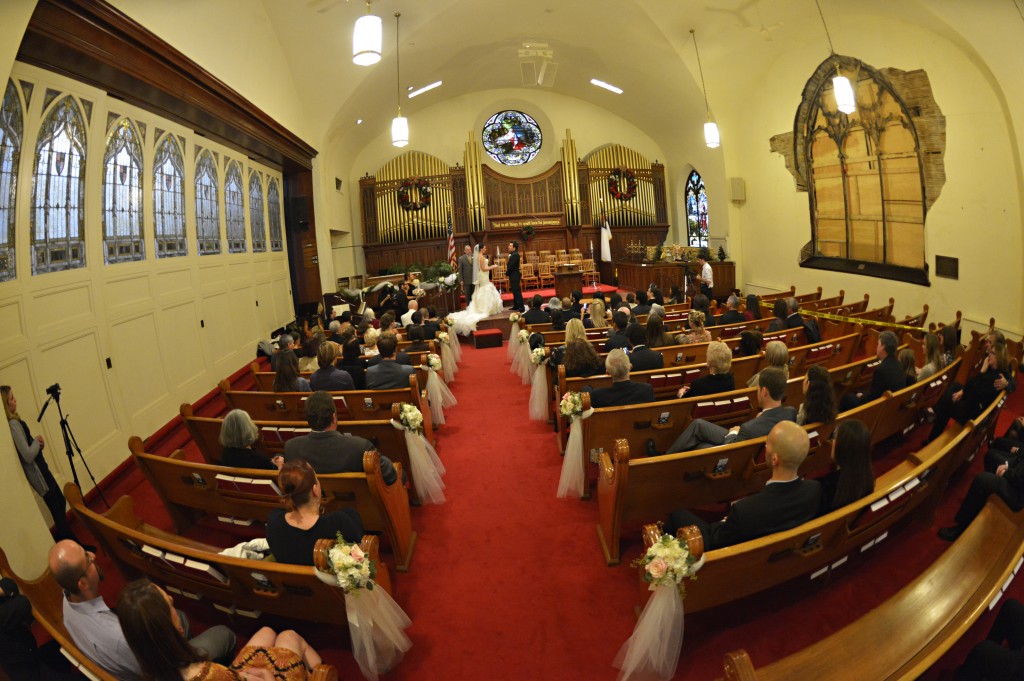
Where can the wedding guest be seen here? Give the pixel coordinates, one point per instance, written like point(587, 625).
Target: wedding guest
point(622, 391)
point(776, 354)
point(933, 357)
point(238, 436)
point(780, 312)
point(753, 310)
point(819, 405)
point(908, 362)
point(750, 343)
point(596, 315)
point(698, 334)
point(719, 380)
point(287, 378)
point(853, 477)
point(370, 342)
point(657, 337)
point(328, 376)
point(581, 359)
point(968, 402)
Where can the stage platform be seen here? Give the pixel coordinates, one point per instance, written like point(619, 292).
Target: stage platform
point(548, 293)
point(500, 321)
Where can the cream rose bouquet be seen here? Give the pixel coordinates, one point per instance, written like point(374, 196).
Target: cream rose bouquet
point(433, 362)
point(668, 561)
point(571, 404)
point(411, 417)
point(350, 566)
point(523, 336)
point(537, 356)
point(449, 321)
point(443, 338)
point(514, 318)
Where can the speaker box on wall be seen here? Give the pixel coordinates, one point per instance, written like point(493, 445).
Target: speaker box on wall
point(298, 213)
point(737, 190)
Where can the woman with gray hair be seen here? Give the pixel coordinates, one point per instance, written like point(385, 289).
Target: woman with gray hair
point(719, 378)
point(776, 354)
point(238, 435)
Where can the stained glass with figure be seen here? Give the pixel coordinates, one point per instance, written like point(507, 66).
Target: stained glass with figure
point(57, 218)
point(511, 138)
point(122, 195)
point(234, 207)
point(696, 211)
point(259, 232)
point(274, 216)
point(207, 212)
point(169, 199)
point(11, 131)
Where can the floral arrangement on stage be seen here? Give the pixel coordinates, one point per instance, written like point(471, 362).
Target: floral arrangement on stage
point(668, 561)
point(614, 184)
point(443, 338)
point(514, 318)
point(523, 336)
point(411, 417)
point(350, 566)
point(433, 362)
point(571, 404)
point(422, 186)
point(538, 356)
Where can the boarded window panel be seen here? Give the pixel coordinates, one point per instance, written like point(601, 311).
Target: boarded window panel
point(866, 240)
point(832, 237)
point(906, 243)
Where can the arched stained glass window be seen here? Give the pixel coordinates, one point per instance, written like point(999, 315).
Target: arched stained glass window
point(259, 232)
point(511, 138)
point(207, 209)
point(122, 195)
point(274, 216)
point(234, 207)
point(58, 190)
point(11, 132)
point(169, 199)
point(696, 211)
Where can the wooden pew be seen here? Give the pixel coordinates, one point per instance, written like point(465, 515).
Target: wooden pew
point(834, 301)
point(193, 490)
point(907, 408)
point(386, 439)
point(234, 585)
point(781, 294)
point(894, 641)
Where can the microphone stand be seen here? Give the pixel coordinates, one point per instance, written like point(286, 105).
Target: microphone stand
point(71, 445)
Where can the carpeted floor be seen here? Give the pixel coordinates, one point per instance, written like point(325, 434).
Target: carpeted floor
point(508, 582)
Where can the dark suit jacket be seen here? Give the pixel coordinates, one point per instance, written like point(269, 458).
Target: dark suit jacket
point(387, 375)
point(537, 316)
point(763, 423)
point(780, 506)
point(711, 384)
point(570, 314)
point(617, 340)
point(731, 317)
point(401, 357)
point(622, 393)
point(466, 269)
point(512, 266)
point(331, 378)
point(642, 358)
point(888, 376)
point(329, 451)
point(641, 309)
point(794, 321)
point(430, 329)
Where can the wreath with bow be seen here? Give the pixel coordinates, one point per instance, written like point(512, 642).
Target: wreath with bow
point(422, 186)
point(527, 232)
point(615, 181)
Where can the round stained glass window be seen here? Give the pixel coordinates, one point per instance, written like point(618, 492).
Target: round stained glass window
point(511, 138)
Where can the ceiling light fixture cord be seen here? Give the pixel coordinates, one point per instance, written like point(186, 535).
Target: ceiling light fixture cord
point(398, 64)
point(822, 15)
point(703, 88)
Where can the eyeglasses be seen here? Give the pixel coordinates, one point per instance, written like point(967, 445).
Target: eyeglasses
point(90, 558)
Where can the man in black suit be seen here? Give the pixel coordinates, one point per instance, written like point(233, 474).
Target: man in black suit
point(641, 357)
point(785, 502)
point(989, 659)
point(417, 344)
point(732, 314)
point(770, 391)
point(618, 339)
point(431, 324)
point(388, 373)
point(401, 356)
point(536, 315)
point(514, 276)
point(327, 450)
point(622, 391)
point(888, 375)
point(793, 320)
point(641, 304)
point(466, 273)
point(1007, 483)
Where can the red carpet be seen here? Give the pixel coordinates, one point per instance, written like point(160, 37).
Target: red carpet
point(508, 582)
point(548, 293)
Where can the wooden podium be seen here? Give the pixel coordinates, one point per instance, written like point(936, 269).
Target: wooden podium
point(568, 278)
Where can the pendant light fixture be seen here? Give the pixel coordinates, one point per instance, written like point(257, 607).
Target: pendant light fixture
point(711, 136)
point(400, 125)
point(845, 100)
point(367, 37)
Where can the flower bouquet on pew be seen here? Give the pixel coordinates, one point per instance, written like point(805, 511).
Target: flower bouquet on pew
point(438, 395)
point(514, 319)
point(427, 468)
point(571, 481)
point(447, 356)
point(539, 389)
point(376, 623)
point(453, 341)
point(525, 366)
point(653, 649)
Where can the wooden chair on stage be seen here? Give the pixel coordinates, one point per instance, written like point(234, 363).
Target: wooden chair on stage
point(499, 277)
point(529, 278)
point(591, 277)
point(531, 257)
point(544, 275)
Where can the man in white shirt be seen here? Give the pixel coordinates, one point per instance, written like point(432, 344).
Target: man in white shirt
point(94, 627)
point(406, 319)
point(706, 277)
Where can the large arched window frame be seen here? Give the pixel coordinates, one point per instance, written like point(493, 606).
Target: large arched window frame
point(12, 130)
point(169, 198)
point(122, 194)
point(58, 190)
point(234, 207)
point(696, 212)
point(274, 216)
point(259, 231)
point(207, 208)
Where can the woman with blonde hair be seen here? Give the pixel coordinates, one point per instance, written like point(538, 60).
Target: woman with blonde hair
point(932, 356)
point(597, 315)
point(370, 341)
point(776, 354)
point(574, 330)
point(698, 334)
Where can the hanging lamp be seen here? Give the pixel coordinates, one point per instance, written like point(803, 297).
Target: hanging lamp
point(367, 37)
point(400, 125)
point(711, 136)
point(845, 99)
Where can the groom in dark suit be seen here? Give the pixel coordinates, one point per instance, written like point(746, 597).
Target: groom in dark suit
point(466, 273)
point(514, 277)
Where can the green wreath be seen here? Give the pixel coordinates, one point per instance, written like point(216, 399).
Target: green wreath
point(422, 185)
point(527, 232)
point(614, 181)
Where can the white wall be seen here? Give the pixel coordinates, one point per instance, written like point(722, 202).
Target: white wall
point(172, 328)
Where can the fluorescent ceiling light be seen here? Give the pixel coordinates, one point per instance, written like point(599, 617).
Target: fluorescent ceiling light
point(359, 121)
point(606, 86)
point(425, 88)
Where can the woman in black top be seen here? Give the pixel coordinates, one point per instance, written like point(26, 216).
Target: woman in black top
point(965, 403)
point(819, 405)
point(853, 477)
point(580, 359)
point(292, 533)
point(780, 312)
point(719, 380)
point(238, 434)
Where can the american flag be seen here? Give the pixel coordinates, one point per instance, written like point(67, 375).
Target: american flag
point(451, 242)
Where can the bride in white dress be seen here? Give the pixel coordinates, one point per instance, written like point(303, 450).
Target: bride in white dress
point(486, 299)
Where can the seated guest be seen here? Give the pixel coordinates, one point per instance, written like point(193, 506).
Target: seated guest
point(431, 323)
point(750, 343)
point(555, 304)
point(853, 477)
point(641, 306)
point(989, 660)
point(417, 344)
point(557, 323)
point(596, 318)
point(776, 354)
point(785, 502)
point(698, 334)
point(719, 380)
point(576, 304)
point(753, 308)
point(701, 303)
point(352, 363)
point(779, 312)
point(370, 342)
point(732, 314)
point(622, 391)
point(285, 344)
point(657, 336)
point(406, 319)
point(657, 309)
point(618, 339)
point(640, 356)
point(574, 331)
point(581, 359)
point(387, 372)
point(631, 301)
point(370, 318)
point(153, 632)
point(908, 364)
point(94, 627)
point(307, 356)
point(949, 339)
point(536, 314)
point(329, 377)
point(1007, 448)
point(327, 450)
point(387, 322)
point(701, 434)
point(238, 434)
point(966, 403)
point(819, 405)
point(287, 379)
point(569, 311)
point(676, 296)
point(292, 534)
point(614, 301)
point(655, 295)
point(335, 328)
point(793, 318)
point(932, 355)
point(888, 375)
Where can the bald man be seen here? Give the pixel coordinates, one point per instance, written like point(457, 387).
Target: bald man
point(786, 501)
point(94, 627)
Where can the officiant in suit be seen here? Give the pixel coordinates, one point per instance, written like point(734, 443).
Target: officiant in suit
point(514, 277)
point(466, 272)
